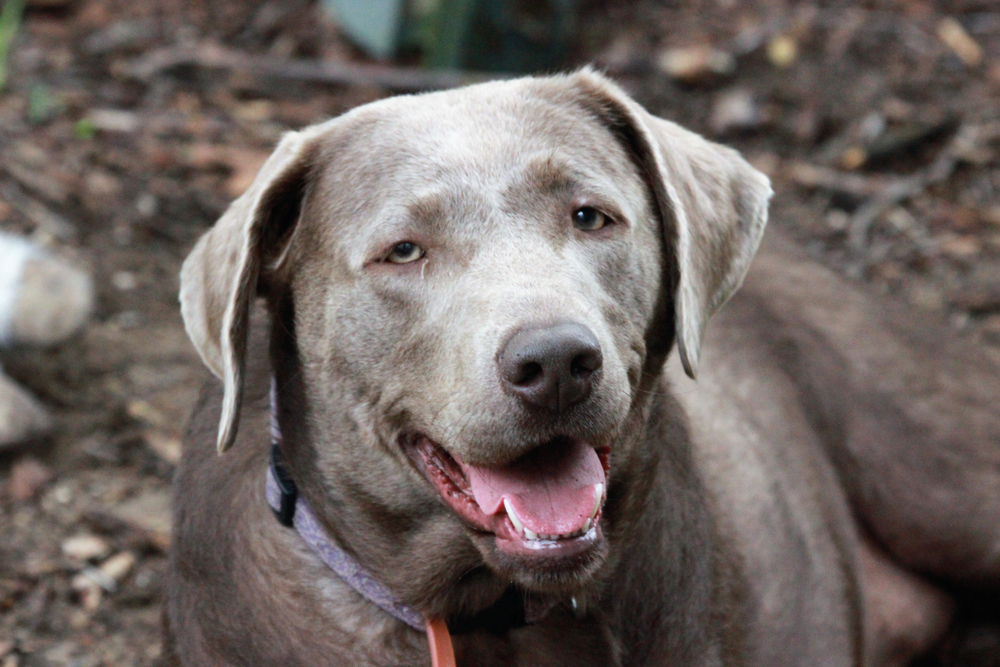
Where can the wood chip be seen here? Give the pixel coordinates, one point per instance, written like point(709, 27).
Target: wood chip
point(167, 447)
point(85, 547)
point(695, 64)
point(114, 120)
point(951, 32)
point(118, 566)
point(149, 513)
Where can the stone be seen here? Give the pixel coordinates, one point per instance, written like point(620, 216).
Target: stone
point(43, 299)
point(22, 417)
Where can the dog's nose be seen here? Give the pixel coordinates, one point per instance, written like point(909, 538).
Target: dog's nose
point(551, 367)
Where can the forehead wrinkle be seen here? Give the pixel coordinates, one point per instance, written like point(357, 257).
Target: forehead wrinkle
point(554, 178)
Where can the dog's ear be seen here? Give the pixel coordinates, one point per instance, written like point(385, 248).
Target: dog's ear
point(219, 279)
point(713, 205)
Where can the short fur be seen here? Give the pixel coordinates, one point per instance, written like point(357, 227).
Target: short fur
point(776, 512)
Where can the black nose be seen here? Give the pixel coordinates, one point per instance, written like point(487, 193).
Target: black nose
point(551, 367)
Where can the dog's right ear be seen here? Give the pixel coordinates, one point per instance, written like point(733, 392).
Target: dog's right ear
point(219, 278)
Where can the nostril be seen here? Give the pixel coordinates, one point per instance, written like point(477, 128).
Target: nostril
point(584, 365)
point(528, 373)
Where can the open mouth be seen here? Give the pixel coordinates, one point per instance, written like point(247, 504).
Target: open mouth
point(546, 504)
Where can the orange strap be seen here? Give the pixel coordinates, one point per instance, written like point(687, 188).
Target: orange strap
point(442, 653)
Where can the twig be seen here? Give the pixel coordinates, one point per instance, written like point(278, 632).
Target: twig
point(903, 189)
point(10, 20)
point(211, 56)
point(815, 176)
point(44, 185)
point(44, 218)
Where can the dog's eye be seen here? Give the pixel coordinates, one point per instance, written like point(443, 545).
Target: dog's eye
point(589, 219)
point(405, 252)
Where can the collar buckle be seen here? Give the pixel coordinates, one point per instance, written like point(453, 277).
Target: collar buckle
point(285, 511)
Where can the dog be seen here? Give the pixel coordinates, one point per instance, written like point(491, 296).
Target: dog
point(464, 324)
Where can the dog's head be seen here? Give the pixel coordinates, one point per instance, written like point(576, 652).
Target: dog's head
point(476, 290)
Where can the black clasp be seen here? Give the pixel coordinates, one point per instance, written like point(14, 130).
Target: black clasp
point(289, 494)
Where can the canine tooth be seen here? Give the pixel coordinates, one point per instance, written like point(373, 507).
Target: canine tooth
point(598, 497)
point(585, 528)
point(518, 526)
point(530, 535)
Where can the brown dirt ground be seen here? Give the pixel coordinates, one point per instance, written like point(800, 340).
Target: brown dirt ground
point(130, 171)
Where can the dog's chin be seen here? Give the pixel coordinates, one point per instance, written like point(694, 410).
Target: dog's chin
point(499, 519)
point(554, 567)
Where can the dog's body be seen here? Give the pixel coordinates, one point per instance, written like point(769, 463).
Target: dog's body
point(408, 252)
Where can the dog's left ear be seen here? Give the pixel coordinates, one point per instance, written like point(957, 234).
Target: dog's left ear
point(219, 279)
point(713, 205)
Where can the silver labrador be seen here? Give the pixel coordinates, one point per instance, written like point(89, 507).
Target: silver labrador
point(473, 299)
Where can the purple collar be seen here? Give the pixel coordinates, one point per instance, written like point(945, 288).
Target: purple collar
point(513, 610)
point(293, 510)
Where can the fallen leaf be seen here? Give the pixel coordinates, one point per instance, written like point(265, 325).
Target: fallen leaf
point(27, 477)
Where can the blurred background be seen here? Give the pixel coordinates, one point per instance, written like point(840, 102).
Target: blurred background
point(126, 127)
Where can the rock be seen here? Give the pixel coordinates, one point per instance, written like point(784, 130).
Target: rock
point(696, 64)
point(27, 477)
point(85, 547)
point(43, 300)
point(22, 417)
point(736, 110)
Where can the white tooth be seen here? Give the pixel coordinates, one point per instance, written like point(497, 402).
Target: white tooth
point(529, 535)
point(598, 497)
point(518, 526)
point(586, 527)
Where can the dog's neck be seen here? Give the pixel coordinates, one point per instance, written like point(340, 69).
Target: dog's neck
point(513, 610)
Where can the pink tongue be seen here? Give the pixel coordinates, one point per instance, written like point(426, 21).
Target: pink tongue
point(551, 488)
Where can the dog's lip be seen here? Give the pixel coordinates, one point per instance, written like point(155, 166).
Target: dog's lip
point(445, 474)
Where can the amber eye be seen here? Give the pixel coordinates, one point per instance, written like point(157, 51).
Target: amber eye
point(589, 219)
point(405, 252)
